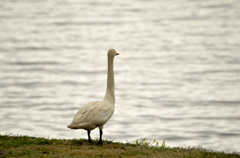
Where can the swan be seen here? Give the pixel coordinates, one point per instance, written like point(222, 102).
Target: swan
point(97, 113)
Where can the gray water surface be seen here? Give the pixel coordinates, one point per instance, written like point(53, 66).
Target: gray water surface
point(177, 77)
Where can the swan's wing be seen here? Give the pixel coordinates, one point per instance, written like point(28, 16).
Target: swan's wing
point(92, 115)
point(84, 113)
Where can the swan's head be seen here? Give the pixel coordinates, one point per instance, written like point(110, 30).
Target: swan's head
point(112, 53)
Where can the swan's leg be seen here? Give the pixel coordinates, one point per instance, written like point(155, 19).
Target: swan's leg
point(89, 138)
point(100, 138)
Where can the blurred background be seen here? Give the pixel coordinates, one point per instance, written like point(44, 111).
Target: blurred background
point(177, 77)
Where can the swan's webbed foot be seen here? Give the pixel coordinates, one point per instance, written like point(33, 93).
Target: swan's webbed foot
point(90, 141)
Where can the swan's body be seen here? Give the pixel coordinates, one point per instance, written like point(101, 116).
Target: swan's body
point(97, 113)
point(92, 115)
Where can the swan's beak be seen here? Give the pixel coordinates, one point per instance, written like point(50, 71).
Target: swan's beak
point(117, 53)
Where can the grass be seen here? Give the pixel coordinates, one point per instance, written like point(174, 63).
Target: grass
point(24, 146)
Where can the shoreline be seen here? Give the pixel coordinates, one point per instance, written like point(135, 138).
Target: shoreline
point(25, 146)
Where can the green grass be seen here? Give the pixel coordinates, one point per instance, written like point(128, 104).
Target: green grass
point(24, 146)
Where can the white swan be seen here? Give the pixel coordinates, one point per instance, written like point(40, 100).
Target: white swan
point(97, 113)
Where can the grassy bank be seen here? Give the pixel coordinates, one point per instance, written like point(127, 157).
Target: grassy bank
point(24, 146)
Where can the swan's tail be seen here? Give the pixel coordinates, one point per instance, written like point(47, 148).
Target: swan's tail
point(72, 126)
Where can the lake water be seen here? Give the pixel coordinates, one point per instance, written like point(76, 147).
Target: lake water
point(177, 77)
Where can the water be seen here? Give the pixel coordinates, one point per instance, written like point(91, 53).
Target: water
point(177, 77)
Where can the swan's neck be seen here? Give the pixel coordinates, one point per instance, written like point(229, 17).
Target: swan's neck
point(110, 96)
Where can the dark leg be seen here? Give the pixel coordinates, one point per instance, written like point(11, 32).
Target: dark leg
point(100, 139)
point(89, 138)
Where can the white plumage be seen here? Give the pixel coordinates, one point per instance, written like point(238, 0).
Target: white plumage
point(92, 115)
point(97, 113)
